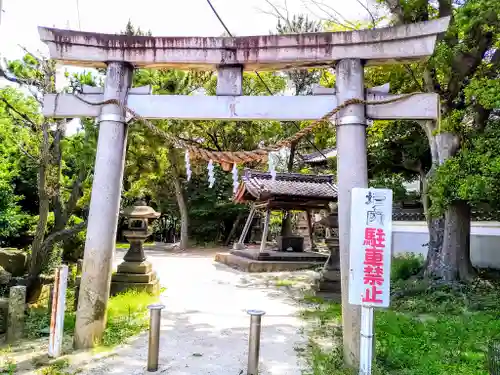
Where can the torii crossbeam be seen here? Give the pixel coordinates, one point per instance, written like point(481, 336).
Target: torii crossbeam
point(349, 52)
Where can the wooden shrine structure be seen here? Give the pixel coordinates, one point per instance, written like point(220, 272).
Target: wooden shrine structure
point(289, 191)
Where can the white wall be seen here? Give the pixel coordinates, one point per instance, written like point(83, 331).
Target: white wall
point(409, 236)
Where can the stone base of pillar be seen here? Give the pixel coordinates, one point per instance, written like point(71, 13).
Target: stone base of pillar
point(328, 285)
point(238, 246)
point(137, 276)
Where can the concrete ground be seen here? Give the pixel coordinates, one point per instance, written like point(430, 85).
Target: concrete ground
point(204, 327)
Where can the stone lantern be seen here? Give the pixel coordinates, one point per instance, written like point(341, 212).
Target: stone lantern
point(329, 281)
point(135, 272)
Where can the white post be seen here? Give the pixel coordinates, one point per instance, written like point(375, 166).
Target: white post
point(366, 345)
point(265, 232)
point(370, 262)
point(247, 226)
point(351, 172)
point(104, 210)
point(58, 309)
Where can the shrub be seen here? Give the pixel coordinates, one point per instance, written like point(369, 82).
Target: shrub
point(406, 265)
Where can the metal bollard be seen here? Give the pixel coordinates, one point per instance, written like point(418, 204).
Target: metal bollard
point(254, 341)
point(154, 336)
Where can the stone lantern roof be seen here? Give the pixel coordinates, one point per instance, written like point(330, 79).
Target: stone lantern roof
point(140, 211)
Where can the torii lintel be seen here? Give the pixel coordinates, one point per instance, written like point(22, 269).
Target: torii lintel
point(405, 43)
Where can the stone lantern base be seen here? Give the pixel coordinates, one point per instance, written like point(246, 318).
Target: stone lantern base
point(135, 276)
point(328, 284)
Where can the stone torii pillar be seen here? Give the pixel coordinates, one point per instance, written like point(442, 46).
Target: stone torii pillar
point(352, 171)
point(347, 51)
point(104, 209)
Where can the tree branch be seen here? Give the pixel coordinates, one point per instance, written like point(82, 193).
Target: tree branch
point(25, 152)
point(397, 11)
point(278, 14)
point(344, 23)
point(61, 235)
point(59, 222)
point(445, 8)
point(412, 73)
point(374, 22)
point(482, 114)
point(9, 106)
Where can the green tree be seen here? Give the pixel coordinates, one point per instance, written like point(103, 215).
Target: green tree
point(12, 218)
point(463, 72)
point(60, 179)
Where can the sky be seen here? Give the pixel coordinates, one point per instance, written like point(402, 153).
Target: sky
point(163, 17)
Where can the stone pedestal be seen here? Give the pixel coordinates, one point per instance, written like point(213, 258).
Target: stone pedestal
point(135, 275)
point(135, 272)
point(303, 231)
point(329, 282)
point(256, 231)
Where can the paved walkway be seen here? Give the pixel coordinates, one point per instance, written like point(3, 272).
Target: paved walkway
point(204, 327)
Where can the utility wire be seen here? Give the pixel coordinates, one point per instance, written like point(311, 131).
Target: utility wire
point(78, 13)
point(260, 77)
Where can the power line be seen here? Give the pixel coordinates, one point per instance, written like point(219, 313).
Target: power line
point(259, 76)
point(220, 19)
point(78, 13)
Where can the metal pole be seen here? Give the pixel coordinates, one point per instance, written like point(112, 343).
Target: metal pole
point(366, 345)
point(351, 172)
point(104, 210)
point(254, 341)
point(57, 316)
point(154, 336)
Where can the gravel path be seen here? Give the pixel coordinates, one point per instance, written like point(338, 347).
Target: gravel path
point(205, 326)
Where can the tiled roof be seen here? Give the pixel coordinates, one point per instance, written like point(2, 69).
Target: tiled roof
point(259, 185)
point(407, 215)
point(319, 157)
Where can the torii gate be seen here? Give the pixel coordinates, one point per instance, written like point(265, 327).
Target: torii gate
point(347, 51)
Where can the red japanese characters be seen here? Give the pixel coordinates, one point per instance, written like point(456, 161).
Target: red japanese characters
point(373, 278)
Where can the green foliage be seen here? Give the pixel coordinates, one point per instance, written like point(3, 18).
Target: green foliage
point(473, 175)
point(211, 211)
point(397, 147)
point(127, 316)
point(394, 182)
point(8, 367)
point(58, 367)
point(72, 249)
point(484, 91)
point(404, 266)
point(428, 330)
point(12, 162)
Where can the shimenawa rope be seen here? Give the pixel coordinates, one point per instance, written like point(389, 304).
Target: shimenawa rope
point(238, 157)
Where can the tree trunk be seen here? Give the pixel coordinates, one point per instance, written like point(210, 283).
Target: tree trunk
point(448, 256)
point(38, 257)
point(181, 201)
point(286, 222)
point(234, 228)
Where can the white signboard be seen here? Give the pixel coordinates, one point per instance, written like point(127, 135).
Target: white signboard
point(370, 247)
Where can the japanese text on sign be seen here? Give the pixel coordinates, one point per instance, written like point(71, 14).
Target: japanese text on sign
point(370, 247)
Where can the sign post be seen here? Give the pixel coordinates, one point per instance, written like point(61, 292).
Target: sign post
point(369, 261)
